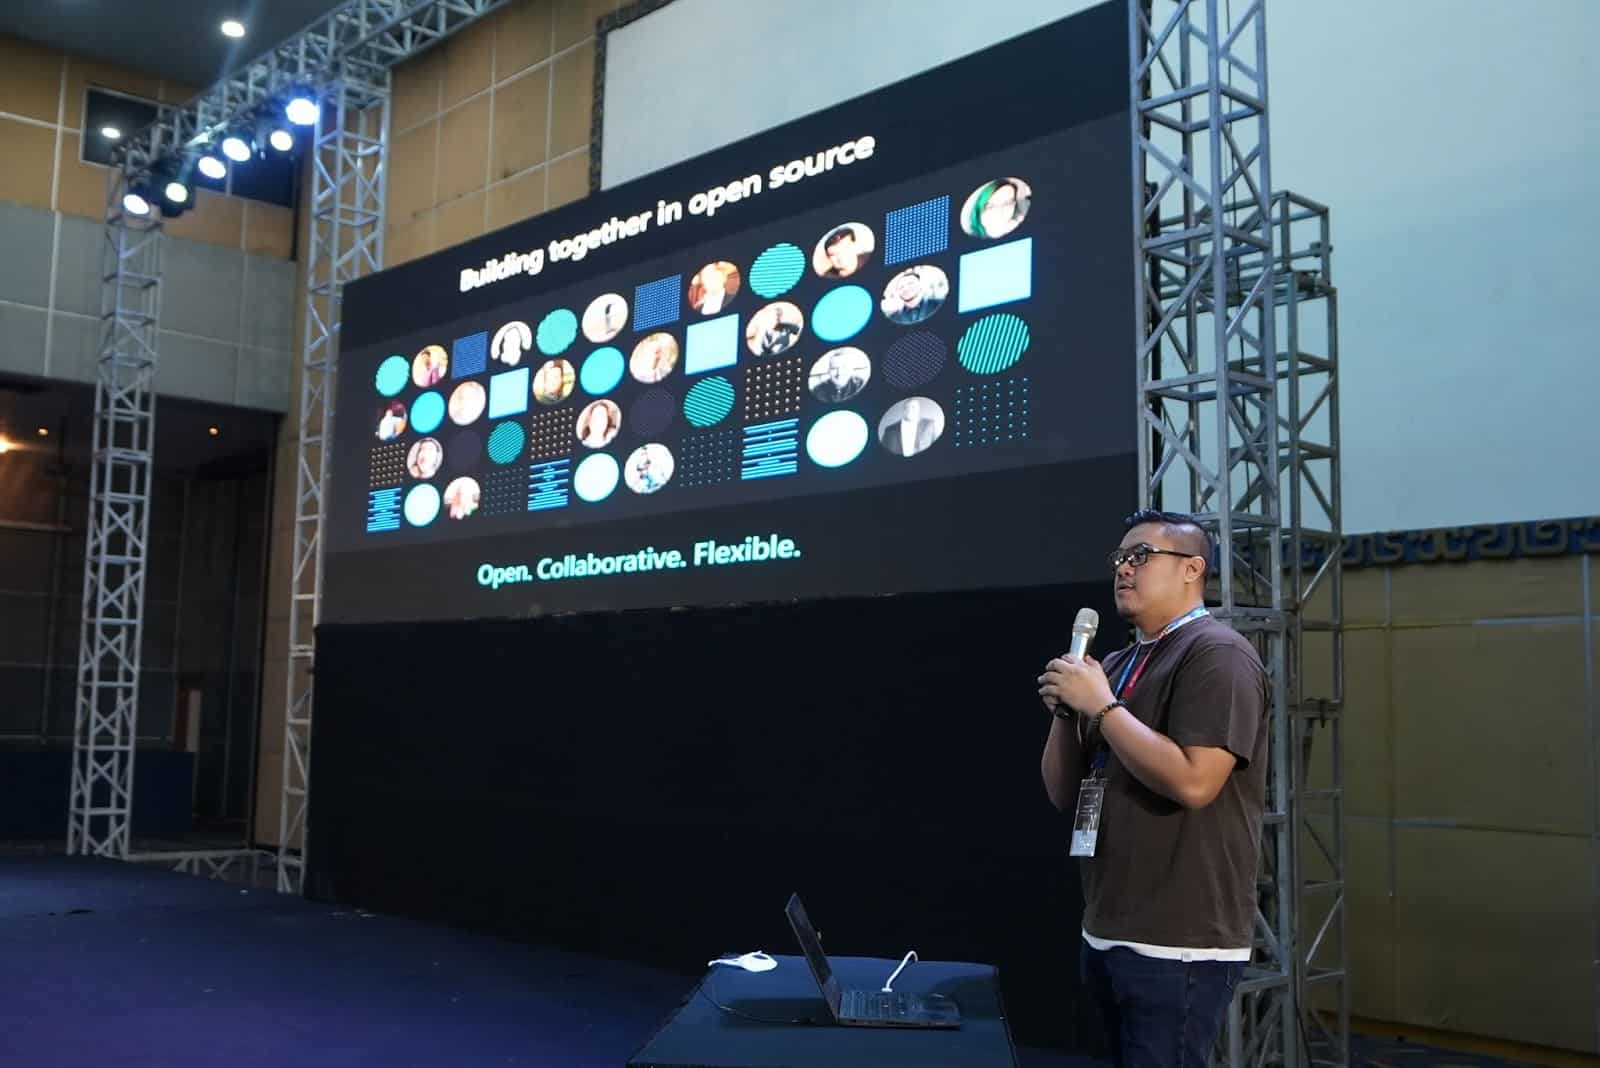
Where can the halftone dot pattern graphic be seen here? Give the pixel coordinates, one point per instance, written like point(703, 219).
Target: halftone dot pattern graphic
point(387, 466)
point(469, 355)
point(556, 332)
point(657, 303)
point(776, 270)
point(993, 344)
point(504, 492)
point(917, 231)
point(914, 360)
point(991, 413)
point(708, 402)
point(393, 374)
point(550, 434)
point(548, 485)
point(709, 459)
point(462, 453)
point(773, 389)
point(651, 414)
point(383, 510)
point(506, 441)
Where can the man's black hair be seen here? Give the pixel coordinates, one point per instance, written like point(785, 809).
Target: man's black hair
point(1182, 528)
point(837, 236)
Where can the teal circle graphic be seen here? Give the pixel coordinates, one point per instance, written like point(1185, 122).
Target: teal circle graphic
point(506, 441)
point(392, 375)
point(776, 270)
point(422, 505)
point(841, 313)
point(708, 401)
point(557, 332)
point(837, 438)
point(993, 344)
point(602, 371)
point(595, 478)
point(427, 412)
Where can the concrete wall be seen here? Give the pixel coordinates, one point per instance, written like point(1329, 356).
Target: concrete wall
point(227, 318)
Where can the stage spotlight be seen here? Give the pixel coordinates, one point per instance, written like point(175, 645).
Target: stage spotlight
point(302, 111)
point(111, 133)
point(176, 192)
point(233, 28)
point(44, 432)
point(5, 445)
point(237, 148)
point(134, 203)
point(213, 430)
point(281, 139)
point(212, 167)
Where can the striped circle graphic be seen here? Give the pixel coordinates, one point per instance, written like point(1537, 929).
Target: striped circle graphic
point(709, 401)
point(506, 441)
point(557, 331)
point(993, 344)
point(914, 360)
point(776, 270)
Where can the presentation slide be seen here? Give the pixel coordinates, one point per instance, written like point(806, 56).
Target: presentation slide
point(886, 348)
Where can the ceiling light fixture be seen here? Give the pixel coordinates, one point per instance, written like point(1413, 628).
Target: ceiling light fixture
point(281, 139)
point(134, 203)
point(213, 431)
point(177, 192)
point(111, 133)
point(236, 148)
point(302, 111)
point(44, 432)
point(233, 28)
point(212, 167)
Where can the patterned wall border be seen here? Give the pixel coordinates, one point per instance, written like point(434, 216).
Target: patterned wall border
point(597, 122)
point(1489, 541)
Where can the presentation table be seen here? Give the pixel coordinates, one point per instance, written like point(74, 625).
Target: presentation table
point(759, 1034)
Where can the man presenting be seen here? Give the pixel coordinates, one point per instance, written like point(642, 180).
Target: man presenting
point(1161, 755)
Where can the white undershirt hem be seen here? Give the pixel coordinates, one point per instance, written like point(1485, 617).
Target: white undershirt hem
point(1183, 953)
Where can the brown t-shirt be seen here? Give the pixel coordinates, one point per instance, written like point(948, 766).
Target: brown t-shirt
point(1163, 874)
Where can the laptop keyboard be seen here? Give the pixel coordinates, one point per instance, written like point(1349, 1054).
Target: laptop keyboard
point(873, 1005)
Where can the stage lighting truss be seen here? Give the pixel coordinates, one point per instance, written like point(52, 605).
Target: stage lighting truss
point(341, 62)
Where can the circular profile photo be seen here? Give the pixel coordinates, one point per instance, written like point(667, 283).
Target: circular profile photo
point(598, 423)
point(839, 375)
point(713, 287)
point(914, 294)
point(605, 317)
point(424, 458)
point(553, 382)
point(429, 366)
point(511, 342)
point(391, 421)
point(843, 251)
point(996, 207)
point(467, 402)
point(461, 497)
point(911, 426)
point(774, 329)
point(653, 358)
point(649, 467)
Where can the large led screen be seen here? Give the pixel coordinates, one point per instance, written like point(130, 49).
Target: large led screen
point(885, 348)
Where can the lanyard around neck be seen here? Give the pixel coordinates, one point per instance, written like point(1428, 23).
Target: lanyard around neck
point(1130, 676)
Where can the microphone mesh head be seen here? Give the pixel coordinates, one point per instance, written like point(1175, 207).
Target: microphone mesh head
point(1088, 621)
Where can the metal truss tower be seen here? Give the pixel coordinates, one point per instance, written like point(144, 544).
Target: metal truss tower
point(107, 710)
point(1245, 435)
point(348, 178)
point(343, 59)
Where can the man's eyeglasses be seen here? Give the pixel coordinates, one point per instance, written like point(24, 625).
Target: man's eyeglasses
point(1139, 555)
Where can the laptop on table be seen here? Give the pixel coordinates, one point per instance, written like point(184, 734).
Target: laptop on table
point(865, 1008)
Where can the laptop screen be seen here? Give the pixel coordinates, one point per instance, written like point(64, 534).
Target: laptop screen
point(811, 946)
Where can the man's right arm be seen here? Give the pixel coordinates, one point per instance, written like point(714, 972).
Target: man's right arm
point(1062, 765)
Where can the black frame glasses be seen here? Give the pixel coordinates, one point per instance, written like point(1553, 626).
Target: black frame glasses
point(1138, 555)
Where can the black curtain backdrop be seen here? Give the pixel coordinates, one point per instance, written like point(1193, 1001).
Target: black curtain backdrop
point(652, 785)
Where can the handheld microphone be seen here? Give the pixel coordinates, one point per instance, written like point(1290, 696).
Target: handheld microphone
point(1083, 629)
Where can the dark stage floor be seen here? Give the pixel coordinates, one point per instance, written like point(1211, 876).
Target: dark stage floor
point(104, 963)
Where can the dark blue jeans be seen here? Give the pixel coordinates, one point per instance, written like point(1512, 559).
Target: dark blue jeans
point(1159, 1013)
